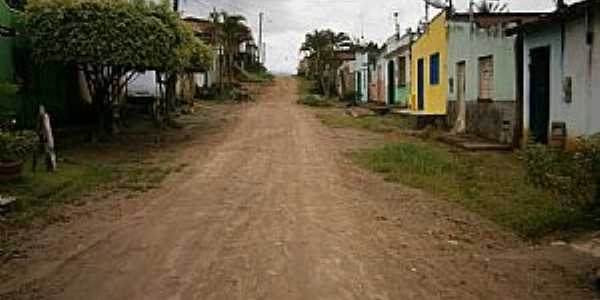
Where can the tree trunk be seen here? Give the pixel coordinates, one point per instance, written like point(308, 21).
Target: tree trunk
point(171, 96)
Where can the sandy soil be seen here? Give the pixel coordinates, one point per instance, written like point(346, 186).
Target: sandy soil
point(275, 211)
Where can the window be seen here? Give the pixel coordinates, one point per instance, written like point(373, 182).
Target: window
point(434, 69)
point(402, 71)
point(486, 78)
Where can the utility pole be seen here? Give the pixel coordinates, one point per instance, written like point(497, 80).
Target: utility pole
point(264, 53)
point(261, 16)
point(176, 5)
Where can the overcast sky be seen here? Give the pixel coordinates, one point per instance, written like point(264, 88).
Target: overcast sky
point(287, 21)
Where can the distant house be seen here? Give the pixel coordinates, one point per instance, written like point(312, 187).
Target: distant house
point(378, 77)
point(206, 31)
point(481, 72)
point(345, 74)
point(361, 76)
point(395, 69)
point(149, 84)
point(560, 71)
point(429, 88)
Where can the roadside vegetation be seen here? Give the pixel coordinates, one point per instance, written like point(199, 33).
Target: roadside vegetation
point(140, 159)
point(494, 185)
point(535, 193)
point(309, 95)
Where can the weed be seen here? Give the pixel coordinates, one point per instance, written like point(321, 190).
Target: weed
point(373, 123)
point(491, 184)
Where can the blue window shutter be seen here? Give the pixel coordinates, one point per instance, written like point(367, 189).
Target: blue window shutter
point(434, 69)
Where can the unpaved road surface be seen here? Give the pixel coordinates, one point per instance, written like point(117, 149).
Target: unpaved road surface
point(276, 212)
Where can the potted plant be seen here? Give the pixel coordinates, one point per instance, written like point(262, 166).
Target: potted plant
point(14, 147)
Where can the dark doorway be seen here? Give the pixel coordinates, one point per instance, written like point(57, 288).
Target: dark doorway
point(420, 84)
point(539, 94)
point(391, 82)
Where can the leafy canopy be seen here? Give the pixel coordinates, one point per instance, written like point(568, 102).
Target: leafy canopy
point(134, 35)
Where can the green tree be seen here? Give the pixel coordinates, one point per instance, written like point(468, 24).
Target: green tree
point(109, 41)
point(322, 46)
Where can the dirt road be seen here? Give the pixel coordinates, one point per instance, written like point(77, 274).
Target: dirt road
point(276, 212)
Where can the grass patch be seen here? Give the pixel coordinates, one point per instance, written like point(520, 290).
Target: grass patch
point(315, 101)
point(493, 185)
point(385, 123)
point(36, 192)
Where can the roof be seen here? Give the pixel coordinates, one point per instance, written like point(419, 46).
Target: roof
point(573, 11)
point(485, 20)
point(345, 55)
point(200, 25)
point(203, 28)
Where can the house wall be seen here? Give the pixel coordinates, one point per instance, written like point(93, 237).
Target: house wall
point(467, 43)
point(362, 71)
point(346, 78)
point(581, 63)
point(402, 93)
point(434, 40)
point(549, 36)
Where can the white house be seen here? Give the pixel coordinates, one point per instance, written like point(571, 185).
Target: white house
point(361, 76)
point(561, 74)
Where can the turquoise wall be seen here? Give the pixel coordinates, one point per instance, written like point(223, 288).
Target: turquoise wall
point(7, 44)
point(468, 44)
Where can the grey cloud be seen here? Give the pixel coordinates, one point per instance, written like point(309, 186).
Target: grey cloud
point(287, 21)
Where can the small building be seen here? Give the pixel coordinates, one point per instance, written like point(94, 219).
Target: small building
point(395, 69)
point(361, 77)
point(481, 74)
point(560, 71)
point(345, 74)
point(429, 91)
point(378, 83)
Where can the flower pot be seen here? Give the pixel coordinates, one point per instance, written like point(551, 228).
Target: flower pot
point(10, 170)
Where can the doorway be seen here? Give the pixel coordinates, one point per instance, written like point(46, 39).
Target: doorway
point(461, 87)
point(539, 94)
point(420, 84)
point(391, 83)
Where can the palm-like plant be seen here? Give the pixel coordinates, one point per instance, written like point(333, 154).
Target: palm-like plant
point(488, 6)
point(321, 46)
point(231, 32)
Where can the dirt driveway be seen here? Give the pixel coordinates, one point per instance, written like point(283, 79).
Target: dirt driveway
point(276, 212)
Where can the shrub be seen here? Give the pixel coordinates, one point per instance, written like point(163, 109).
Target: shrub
point(16, 146)
point(349, 96)
point(567, 174)
point(588, 157)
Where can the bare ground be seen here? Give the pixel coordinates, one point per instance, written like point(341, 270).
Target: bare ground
point(274, 211)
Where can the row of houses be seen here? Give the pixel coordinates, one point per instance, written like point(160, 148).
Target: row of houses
point(509, 77)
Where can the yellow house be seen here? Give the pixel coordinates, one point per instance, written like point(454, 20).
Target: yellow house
point(429, 93)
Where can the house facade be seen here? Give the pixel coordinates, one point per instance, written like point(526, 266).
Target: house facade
point(361, 77)
point(481, 74)
point(345, 79)
point(561, 75)
point(395, 70)
point(429, 88)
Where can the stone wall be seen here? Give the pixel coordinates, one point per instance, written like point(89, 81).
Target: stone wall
point(491, 120)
